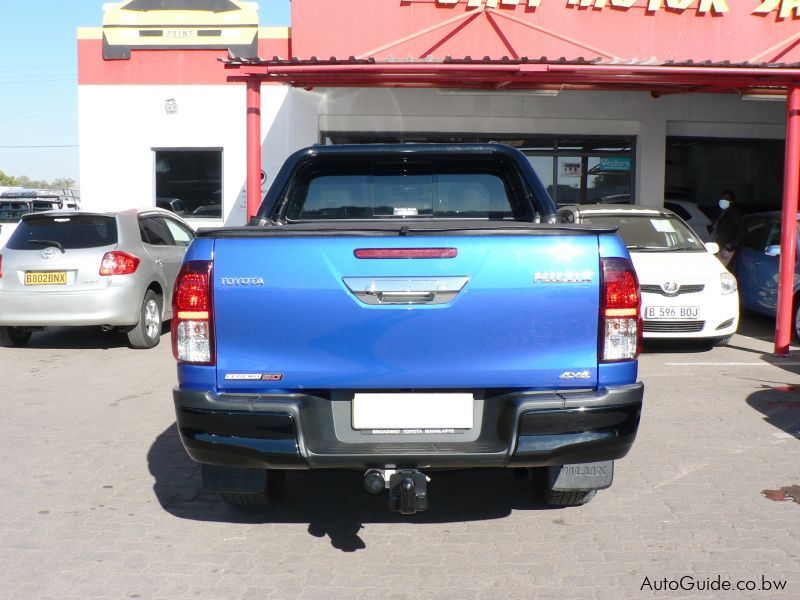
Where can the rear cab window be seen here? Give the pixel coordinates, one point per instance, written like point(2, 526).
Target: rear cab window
point(71, 232)
point(414, 189)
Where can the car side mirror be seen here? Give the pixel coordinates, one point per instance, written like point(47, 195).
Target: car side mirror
point(712, 247)
point(773, 250)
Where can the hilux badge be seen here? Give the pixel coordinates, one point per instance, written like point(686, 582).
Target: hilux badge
point(562, 277)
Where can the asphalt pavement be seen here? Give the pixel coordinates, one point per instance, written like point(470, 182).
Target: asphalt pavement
point(100, 500)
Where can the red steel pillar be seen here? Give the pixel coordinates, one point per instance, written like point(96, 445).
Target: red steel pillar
point(791, 191)
point(253, 145)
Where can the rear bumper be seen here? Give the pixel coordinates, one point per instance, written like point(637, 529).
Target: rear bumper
point(118, 304)
point(302, 431)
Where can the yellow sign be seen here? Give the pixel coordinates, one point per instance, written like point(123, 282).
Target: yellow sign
point(169, 24)
point(786, 7)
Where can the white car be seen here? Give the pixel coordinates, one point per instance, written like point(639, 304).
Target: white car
point(686, 291)
point(687, 210)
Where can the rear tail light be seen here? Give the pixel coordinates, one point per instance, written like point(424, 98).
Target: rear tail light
point(192, 312)
point(1, 266)
point(620, 311)
point(118, 263)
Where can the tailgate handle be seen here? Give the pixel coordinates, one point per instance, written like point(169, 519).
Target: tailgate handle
point(394, 290)
point(404, 297)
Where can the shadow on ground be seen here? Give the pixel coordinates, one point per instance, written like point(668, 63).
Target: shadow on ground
point(780, 405)
point(758, 330)
point(81, 338)
point(333, 503)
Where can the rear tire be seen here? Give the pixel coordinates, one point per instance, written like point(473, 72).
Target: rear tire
point(553, 497)
point(147, 332)
point(14, 337)
point(272, 492)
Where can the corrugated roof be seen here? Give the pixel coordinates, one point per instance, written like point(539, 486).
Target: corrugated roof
point(524, 73)
point(469, 60)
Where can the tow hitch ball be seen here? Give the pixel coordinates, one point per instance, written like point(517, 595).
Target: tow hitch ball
point(408, 489)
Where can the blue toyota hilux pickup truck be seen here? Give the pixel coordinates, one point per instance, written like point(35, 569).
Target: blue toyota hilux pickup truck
point(402, 309)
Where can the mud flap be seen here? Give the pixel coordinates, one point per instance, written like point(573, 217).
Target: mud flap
point(581, 476)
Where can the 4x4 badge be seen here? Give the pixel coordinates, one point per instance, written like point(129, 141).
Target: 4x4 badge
point(575, 375)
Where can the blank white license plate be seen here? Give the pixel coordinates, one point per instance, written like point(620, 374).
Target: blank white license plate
point(412, 411)
point(672, 313)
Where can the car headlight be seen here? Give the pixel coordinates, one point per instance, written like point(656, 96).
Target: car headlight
point(728, 283)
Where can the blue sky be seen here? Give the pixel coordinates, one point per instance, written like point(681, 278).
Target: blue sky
point(38, 82)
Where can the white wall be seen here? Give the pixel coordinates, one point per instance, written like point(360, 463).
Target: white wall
point(121, 125)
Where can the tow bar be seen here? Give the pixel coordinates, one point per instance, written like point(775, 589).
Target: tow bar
point(408, 488)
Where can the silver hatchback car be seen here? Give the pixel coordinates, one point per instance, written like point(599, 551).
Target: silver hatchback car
point(115, 270)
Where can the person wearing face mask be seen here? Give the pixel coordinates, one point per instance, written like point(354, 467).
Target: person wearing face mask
point(729, 227)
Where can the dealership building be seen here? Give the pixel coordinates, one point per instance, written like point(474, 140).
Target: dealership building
point(611, 100)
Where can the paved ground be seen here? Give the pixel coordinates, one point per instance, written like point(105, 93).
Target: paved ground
point(99, 499)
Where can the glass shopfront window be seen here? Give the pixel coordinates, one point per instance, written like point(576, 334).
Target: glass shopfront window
point(699, 169)
point(189, 182)
point(574, 170)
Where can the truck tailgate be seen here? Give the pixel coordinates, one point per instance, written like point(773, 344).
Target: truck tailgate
point(305, 327)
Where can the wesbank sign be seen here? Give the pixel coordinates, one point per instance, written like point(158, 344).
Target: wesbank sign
point(784, 8)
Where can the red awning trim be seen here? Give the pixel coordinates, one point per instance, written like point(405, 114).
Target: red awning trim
point(521, 74)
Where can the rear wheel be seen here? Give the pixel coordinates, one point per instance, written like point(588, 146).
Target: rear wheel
point(553, 497)
point(14, 337)
point(273, 490)
point(147, 332)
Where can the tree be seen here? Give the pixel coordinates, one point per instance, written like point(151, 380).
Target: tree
point(7, 180)
point(61, 183)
